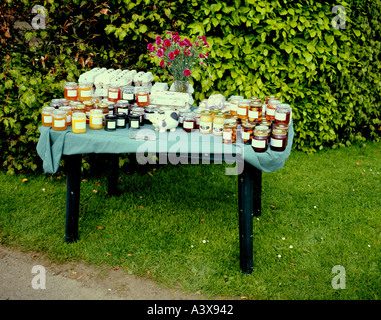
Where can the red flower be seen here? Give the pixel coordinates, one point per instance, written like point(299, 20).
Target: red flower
point(162, 63)
point(158, 40)
point(167, 43)
point(187, 72)
point(171, 55)
point(151, 47)
point(160, 52)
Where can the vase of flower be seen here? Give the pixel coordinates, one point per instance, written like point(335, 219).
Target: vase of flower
point(181, 85)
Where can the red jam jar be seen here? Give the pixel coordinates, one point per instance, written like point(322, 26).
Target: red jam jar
point(283, 114)
point(113, 93)
point(260, 139)
point(278, 140)
point(142, 96)
point(270, 109)
point(71, 91)
point(189, 122)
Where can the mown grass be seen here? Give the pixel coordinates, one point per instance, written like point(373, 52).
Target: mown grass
point(179, 225)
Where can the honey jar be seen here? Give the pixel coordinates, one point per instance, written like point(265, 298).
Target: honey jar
point(95, 119)
point(71, 91)
point(270, 109)
point(78, 122)
point(59, 120)
point(206, 122)
point(46, 116)
point(84, 91)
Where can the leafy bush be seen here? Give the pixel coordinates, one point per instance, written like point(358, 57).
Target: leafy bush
point(331, 77)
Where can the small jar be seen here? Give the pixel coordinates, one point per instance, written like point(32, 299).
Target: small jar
point(149, 111)
point(84, 91)
point(278, 140)
point(128, 93)
point(142, 96)
point(104, 107)
point(267, 124)
point(255, 111)
point(234, 102)
point(121, 120)
point(46, 116)
point(189, 122)
point(110, 122)
point(229, 134)
point(89, 105)
point(197, 115)
point(140, 112)
point(280, 126)
point(64, 102)
point(69, 113)
point(79, 108)
point(270, 109)
point(113, 92)
point(283, 114)
point(134, 120)
point(260, 139)
point(96, 119)
point(59, 120)
point(218, 124)
point(243, 108)
point(121, 107)
point(206, 122)
point(55, 103)
point(182, 111)
point(78, 122)
point(71, 91)
point(247, 132)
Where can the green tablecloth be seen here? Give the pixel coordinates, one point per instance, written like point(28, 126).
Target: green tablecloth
point(53, 144)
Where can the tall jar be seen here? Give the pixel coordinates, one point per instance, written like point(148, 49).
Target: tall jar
point(247, 132)
point(189, 122)
point(283, 114)
point(113, 93)
point(243, 108)
point(278, 140)
point(71, 91)
point(78, 122)
point(142, 96)
point(206, 122)
point(59, 120)
point(128, 93)
point(234, 102)
point(121, 107)
point(255, 111)
point(260, 139)
point(89, 105)
point(218, 124)
point(96, 119)
point(197, 115)
point(46, 116)
point(69, 113)
point(84, 91)
point(229, 134)
point(270, 109)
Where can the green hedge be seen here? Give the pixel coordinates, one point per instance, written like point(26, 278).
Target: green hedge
point(331, 77)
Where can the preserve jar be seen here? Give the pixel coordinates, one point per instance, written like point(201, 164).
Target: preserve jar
point(229, 134)
point(128, 93)
point(69, 113)
point(142, 96)
point(197, 115)
point(189, 122)
point(255, 111)
point(140, 112)
point(206, 122)
point(247, 132)
point(59, 120)
point(270, 109)
point(218, 124)
point(121, 120)
point(96, 119)
point(64, 102)
point(283, 114)
point(234, 101)
point(55, 103)
point(78, 122)
point(46, 116)
point(182, 111)
point(280, 126)
point(267, 124)
point(134, 121)
point(278, 140)
point(243, 107)
point(113, 92)
point(79, 108)
point(89, 105)
point(110, 122)
point(121, 107)
point(71, 91)
point(84, 91)
point(260, 139)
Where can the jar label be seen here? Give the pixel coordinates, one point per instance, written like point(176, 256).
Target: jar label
point(79, 125)
point(276, 143)
point(128, 96)
point(258, 143)
point(59, 123)
point(113, 95)
point(245, 135)
point(270, 111)
point(227, 135)
point(253, 114)
point(142, 98)
point(188, 124)
point(121, 122)
point(217, 128)
point(241, 111)
point(233, 107)
point(85, 93)
point(72, 93)
point(111, 124)
point(96, 120)
point(48, 119)
point(135, 124)
point(280, 116)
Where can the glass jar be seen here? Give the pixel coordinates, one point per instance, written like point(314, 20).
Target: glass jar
point(55, 103)
point(142, 96)
point(96, 119)
point(113, 92)
point(84, 91)
point(270, 109)
point(280, 126)
point(134, 120)
point(255, 111)
point(140, 112)
point(79, 108)
point(71, 91)
point(149, 111)
point(78, 122)
point(59, 120)
point(218, 124)
point(278, 140)
point(229, 134)
point(267, 124)
point(234, 102)
point(243, 108)
point(121, 120)
point(128, 93)
point(182, 111)
point(247, 132)
point(64, 102)
point(189, 122)
point(46, 116)
point(89, 105)
point(104, 107)
point(121, 107)
point(110, 122)
point(206, 122)
point(69, 113)
point(260, 139)
point(256, 99)
point(283, 114)
point(197, 116)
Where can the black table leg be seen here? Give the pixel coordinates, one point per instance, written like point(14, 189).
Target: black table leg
point(113, 173)
point(73, 185)
point(249, 201)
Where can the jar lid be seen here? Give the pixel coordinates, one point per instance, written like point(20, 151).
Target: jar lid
point(121, 115)
point(96, 111)
point(256, 104)
point(79, 107)
point(248, 124)
point(88, 102)
point(284, 106)
point(110, 116)
point(84, 84)
point(279, 132)
point(80, 115)
point(103, 105)
point(134, 116)
point(48, 108)
point(59, 112)
point(64, 108)
point(71, 83)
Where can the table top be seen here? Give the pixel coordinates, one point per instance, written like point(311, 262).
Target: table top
point(53, 144)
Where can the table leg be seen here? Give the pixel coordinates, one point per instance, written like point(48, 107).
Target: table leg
point(249, 202)
point(73, 185)
point(113, 174)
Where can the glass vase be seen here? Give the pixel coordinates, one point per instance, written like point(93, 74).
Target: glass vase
point(181, 85)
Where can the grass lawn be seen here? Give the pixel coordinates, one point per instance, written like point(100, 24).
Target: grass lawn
point(179, 225)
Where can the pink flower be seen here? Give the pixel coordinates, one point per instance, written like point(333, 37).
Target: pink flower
point(162, 63)
point(167, 43)
point(175, 38)
point(187, 42)
point(171, 55)
point(187, 52)
point(160, 52)
point(187, 72)
point(201, 55)
point(182, 43)
point(151, 47)
point(158, 40)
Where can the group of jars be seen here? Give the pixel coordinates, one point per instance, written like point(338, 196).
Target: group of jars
point(80, 107)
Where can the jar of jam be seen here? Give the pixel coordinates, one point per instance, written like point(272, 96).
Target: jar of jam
point(255, 111)
point(46, 116)
point(110, 122)
point(182, 111)
point(234, 102)
point(280, 126)
point(84, 91)
point(78, 122)
point(121, 107)
point(134, 121)
point(283, 114)
point(260, 139)
point(218, 124)
point(96, 119)
point(71, 91)
point(267, 124)
point(142, 96)
point(79, 108)
point(113, 92)
point(121, 120)
point(189, 122)
point(128, 93)
point(229, 134)
point(270, 109)
point(89, 105)
point(243, 108)
point(247, 132)
point(55, 103)
point(64, 102)
point(59, 120)
point(197, 115)
point(278, 140)
point(140, 112)
point(256, 99)
point(68, 112)
point(149, 111)
point(206, 122)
